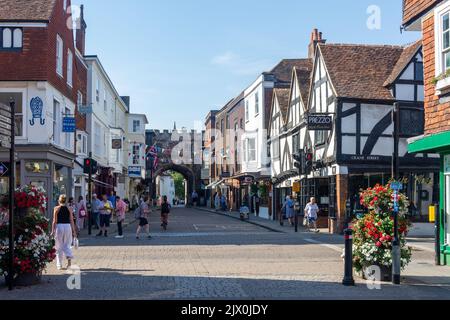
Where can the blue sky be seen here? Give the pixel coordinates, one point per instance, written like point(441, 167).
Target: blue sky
point(179, 59)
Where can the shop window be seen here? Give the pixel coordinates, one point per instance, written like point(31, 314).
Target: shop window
point(40, 167)
point(60, 181)
point(5, 98)
point(412, 122)
point(447, 206)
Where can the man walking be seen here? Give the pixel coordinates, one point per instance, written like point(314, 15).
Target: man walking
point(105, 209)
point(311, 214)
point(194, 198)
point(121, 208)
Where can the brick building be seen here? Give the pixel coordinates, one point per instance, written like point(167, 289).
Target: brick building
point(432, 19)
point(42, 70)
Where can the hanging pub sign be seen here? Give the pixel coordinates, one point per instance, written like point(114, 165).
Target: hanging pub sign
point(5, 126)
point(116, 144)
point(320, 122)
point(69, 125)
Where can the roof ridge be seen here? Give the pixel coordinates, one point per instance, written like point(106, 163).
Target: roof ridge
point(362, 45)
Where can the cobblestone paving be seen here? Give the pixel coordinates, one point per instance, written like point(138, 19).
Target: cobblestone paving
point(206, 256)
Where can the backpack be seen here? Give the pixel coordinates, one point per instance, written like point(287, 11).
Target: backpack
point(137, 213)
point(165, 208)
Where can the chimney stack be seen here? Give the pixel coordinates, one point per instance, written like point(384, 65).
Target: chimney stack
point(316, 38)
point(81, 32)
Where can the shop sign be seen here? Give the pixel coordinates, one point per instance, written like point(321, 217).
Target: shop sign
point(85, 109)
point(134, 172)
point(447, 164)
point(296, 187)
point(319, 122)
point(69, 125)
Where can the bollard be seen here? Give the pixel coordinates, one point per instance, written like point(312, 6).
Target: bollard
point(348, 278)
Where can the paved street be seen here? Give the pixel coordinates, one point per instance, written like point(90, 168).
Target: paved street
point(204, 255)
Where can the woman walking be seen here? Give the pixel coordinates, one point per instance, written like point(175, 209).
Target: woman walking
point(63, 230)
point(165, 210)
point(81, 212)
point(144, 213)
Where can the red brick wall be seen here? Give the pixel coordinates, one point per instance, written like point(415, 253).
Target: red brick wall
point(58, 26)
point(31, 62)
point(437, 116)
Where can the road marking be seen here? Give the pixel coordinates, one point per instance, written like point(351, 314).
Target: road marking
point(329, 246)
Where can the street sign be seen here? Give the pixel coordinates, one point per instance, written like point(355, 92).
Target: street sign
point(320, 122)
point(396, 186)
point(5, 107)
point(3, 169)
point(69, 125)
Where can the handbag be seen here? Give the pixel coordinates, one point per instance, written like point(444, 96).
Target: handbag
point(82, 213)
point(75, 243)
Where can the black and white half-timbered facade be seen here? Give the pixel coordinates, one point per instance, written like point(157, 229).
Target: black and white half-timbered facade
point(358, 85)
point(287, 131)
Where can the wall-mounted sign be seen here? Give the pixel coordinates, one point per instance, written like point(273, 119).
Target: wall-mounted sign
point(85, 109)
point(447, 164)
point(135, 172)
point(69, 125)
point(37, 111)
point(116, 144)
point(319, 122)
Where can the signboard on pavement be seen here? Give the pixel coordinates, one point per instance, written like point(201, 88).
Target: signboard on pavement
point(320, 122)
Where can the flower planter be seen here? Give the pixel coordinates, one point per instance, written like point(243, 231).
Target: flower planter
point(26, 280)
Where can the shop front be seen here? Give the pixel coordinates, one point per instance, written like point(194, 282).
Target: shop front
point(42, 166)
point(439, 143)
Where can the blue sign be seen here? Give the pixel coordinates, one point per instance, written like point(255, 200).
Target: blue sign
point(37, 110)
point(397, 186)
point(135, 172)
point(69, 125)
point(3, 169)
point(85, 109)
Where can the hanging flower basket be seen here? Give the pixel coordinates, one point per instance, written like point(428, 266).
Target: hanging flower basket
point(373, 233)
point(34, 247)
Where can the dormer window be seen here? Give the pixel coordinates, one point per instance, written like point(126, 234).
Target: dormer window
point(11, 38)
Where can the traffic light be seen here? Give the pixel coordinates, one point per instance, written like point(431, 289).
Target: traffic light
point(90, 166)
point(298, 162)
point(309, 157)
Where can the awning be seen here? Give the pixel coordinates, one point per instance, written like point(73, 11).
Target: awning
point(285, 176)
point(432, 143)
point(214, 184)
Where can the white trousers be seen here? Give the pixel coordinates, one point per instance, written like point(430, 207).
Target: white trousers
point(63, 240)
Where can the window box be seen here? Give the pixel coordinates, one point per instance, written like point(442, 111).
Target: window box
point(443, 86)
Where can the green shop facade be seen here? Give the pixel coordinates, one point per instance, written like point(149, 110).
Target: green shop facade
point(439, 143)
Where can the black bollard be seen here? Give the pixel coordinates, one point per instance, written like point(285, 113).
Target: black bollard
point(348, 278)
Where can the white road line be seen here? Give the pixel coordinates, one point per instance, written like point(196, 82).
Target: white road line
point(329, 246)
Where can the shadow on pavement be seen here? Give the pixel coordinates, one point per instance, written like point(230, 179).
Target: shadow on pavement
point(115, 285)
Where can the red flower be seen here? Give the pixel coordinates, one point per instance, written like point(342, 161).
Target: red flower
point(379, 244)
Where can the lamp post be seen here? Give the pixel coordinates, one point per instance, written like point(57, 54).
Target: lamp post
point(396, 251)
point(12, 183)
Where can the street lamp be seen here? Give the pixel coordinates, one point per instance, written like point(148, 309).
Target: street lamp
point(396, 186)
